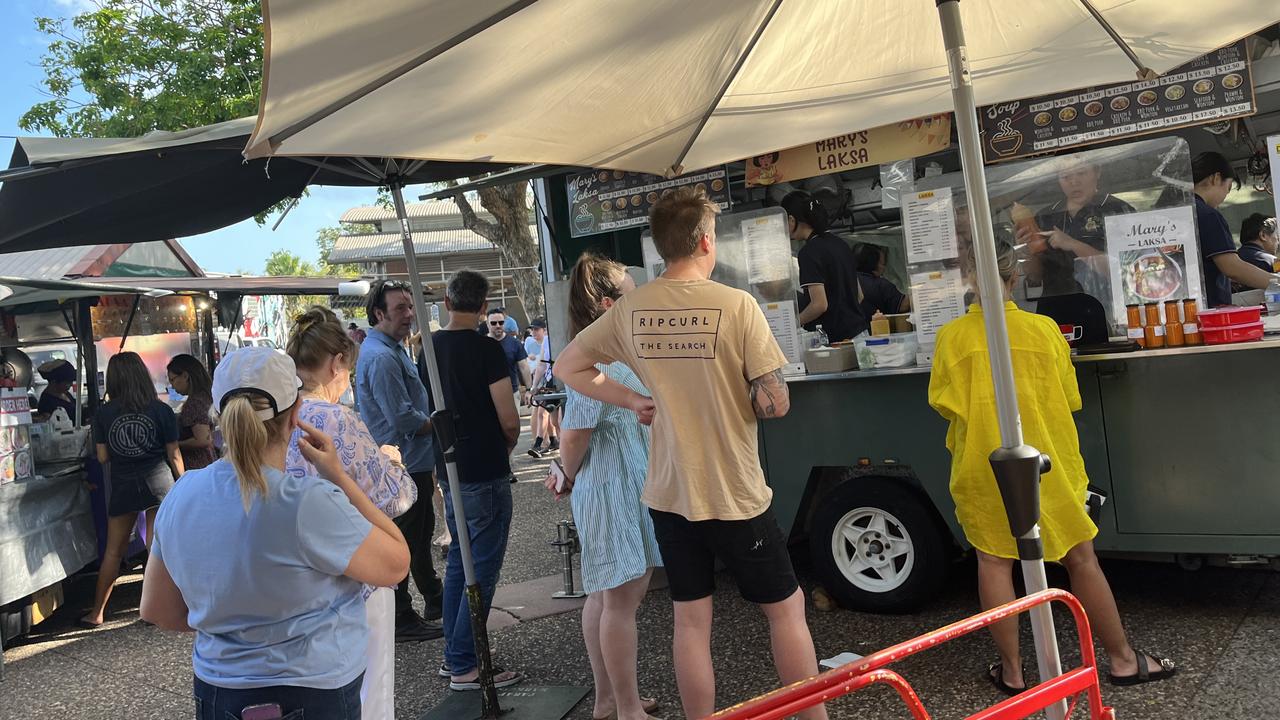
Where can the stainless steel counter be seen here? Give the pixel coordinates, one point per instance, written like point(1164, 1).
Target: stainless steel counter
point(1264, 344)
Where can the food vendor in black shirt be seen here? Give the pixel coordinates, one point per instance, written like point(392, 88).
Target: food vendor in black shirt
point(1258, 241)
point(1214, 179)
point(829, 290)
point(1074, 227)
point(878, 294)
point(61, 376)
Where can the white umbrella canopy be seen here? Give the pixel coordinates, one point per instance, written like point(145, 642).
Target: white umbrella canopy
point(653, 85)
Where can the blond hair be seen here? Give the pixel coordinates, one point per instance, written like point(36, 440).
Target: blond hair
point(318, 336)
point(247, 436)
point(593, 279)
point(680, 219)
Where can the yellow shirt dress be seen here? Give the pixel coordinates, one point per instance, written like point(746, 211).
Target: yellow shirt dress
point(960, 389)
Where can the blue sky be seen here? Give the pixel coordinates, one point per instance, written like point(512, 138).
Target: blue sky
point(244, 246)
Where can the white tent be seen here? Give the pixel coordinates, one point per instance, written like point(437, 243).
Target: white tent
point(650, 85)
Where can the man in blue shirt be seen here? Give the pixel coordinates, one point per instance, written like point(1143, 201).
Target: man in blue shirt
point(514, 351)
point(393, 403)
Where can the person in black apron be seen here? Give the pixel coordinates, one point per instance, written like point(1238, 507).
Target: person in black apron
point(829, 290)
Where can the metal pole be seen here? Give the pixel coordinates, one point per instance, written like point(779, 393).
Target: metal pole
point(1014, 463)
point(442, 422)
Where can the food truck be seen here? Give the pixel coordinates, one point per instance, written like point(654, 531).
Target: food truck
point(1171, 436)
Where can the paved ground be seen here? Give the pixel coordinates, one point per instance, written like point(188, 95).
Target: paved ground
point(1222, 625)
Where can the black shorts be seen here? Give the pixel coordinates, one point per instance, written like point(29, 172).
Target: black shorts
point(754, 551)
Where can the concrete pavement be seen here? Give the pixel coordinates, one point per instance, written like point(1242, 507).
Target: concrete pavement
point(1222, 625)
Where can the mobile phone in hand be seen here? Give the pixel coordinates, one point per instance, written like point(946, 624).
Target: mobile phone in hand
point(557, 470)
point(267, 711)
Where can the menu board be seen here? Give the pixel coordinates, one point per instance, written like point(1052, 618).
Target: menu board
point(604, 200)
point(929, 225)
point(938, 297)
point(1208, 89)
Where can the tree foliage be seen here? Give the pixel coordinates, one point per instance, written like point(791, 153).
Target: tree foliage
point(133, 66)
point(128, 67)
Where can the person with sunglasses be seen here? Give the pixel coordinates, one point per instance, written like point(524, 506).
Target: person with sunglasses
point(394, 405)
point(515, 353)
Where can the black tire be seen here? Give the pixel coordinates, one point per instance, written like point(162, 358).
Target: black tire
point(891, 583)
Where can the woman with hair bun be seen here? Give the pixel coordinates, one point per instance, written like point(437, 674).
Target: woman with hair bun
point(830, 293)
point(325, 354)
point(605, 455)
point(960, 389)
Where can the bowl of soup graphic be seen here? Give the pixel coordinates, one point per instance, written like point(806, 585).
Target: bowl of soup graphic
point(1203, 87)
point(1067, 114)
point(620, 203)
point(717, 185)
point(1119, 103)
point(1155, 277)
point(1093, 109)
point(1232, 81)
point(1043, 118)
point(635, 200)
point(1174, 92)
point(1147, 97)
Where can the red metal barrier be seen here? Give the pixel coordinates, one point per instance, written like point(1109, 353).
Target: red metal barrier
point(857, 675)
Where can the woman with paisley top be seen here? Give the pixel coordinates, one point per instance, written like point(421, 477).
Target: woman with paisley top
point(325, 354)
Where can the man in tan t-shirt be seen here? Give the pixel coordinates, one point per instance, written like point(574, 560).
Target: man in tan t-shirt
point(705, 352)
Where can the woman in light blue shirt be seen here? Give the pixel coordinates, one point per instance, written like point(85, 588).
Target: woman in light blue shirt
point(605, 453)
point(267, 568)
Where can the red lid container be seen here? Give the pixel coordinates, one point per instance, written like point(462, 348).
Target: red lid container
point(1232, 333)
point(1222, 317)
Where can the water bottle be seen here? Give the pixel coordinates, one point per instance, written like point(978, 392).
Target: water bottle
point(824, 341)
point(1272, 297)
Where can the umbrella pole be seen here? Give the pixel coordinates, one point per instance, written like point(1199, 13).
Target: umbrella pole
point(442, 422)
point(1017, 466)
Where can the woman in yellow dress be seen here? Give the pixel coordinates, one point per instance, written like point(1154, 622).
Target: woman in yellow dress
point(960, 389)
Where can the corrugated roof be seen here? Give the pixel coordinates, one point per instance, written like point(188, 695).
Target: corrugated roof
point(441, 209)
point(377, 247)
point(47, 264)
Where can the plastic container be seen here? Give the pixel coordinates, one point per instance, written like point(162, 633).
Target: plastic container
point(1243, 332)
point(1229, 315)
point(886, 351)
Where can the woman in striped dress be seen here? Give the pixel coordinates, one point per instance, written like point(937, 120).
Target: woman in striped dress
point(605, 453)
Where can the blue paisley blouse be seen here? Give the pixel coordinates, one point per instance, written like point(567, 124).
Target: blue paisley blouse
point(386, 483)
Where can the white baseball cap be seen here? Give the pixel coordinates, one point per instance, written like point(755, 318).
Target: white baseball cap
point(257, 371)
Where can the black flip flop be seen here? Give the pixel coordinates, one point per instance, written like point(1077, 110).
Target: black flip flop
point(1144, 675)
point(995, 674)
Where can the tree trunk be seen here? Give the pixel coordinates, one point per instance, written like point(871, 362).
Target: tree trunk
point(509, 232)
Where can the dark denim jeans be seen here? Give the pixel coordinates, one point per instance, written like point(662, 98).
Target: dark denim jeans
point(297, 703)
point(488, 508)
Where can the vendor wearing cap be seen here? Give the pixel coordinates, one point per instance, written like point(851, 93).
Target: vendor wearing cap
point(61, 375)
point(1258, 241)
point(1072, 228)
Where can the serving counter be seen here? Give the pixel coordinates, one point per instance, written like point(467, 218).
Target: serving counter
point(46, 530)
point(1178, 439)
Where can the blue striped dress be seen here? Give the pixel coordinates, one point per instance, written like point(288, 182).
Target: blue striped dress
point(618, 544)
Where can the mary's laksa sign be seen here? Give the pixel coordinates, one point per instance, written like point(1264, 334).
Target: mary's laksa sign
point(884, 144)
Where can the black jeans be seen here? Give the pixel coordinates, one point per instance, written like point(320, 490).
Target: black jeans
point(419, 526)
point(296, 703)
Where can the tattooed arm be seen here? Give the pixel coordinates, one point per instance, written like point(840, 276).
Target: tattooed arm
point(769, 395)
